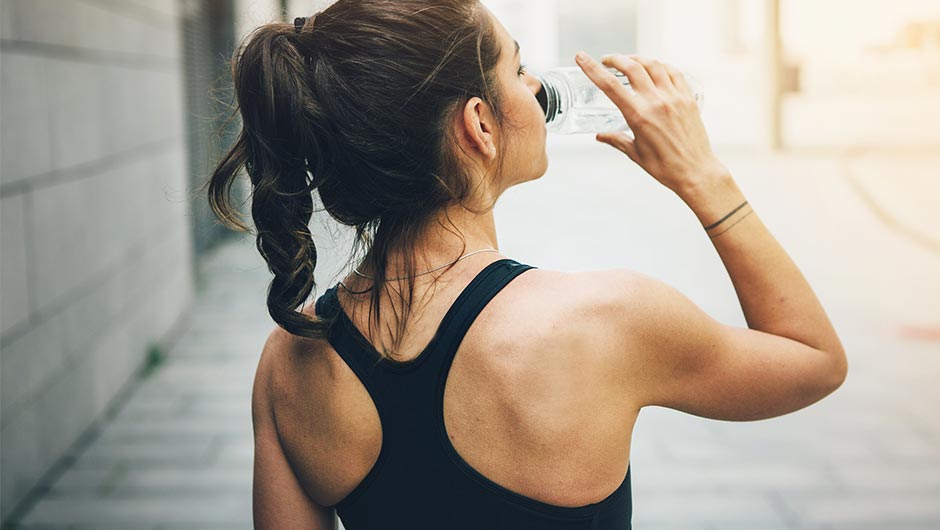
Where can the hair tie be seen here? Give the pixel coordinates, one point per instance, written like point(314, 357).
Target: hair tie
point(300, 22)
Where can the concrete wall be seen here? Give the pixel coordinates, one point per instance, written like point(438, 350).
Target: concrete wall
point(95, 250)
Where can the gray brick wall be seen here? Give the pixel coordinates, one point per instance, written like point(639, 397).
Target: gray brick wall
point(95, 229)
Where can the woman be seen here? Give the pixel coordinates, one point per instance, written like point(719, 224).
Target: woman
point(505, 395)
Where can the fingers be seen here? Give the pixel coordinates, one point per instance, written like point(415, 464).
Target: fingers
point(609, 83)
point(636, 73)
point(620, 140)
point(678, 79)
point(657, 72)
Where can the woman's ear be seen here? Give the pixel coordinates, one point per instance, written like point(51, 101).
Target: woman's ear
point(478, 126)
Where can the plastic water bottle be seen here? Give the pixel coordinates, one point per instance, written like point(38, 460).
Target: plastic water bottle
point(574, 104)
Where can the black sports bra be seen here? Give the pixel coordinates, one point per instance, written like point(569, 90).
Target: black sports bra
point(419, 481)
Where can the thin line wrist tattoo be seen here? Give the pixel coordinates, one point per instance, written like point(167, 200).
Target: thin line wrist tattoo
point(723, 219)
point(732, 225)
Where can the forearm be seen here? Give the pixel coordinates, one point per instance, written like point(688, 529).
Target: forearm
point(774, 295)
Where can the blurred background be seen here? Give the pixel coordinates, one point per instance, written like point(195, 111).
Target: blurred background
point(131, 322)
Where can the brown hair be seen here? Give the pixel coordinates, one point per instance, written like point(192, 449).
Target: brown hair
point(360, 108)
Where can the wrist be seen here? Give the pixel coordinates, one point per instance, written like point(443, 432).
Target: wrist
point(713, 198)
point(711, 178)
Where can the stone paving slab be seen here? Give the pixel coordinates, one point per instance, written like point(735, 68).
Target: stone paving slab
point(223, 478)
point(170, 429)
point(728, 478)
point(749, 510)
point(148, 452)
point(220, 510)
point(96, 526)
point(852, 508)
point(83, 482)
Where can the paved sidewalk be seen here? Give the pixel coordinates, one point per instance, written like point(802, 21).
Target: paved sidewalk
point(178, 453)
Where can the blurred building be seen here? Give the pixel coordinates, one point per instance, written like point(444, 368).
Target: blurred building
point(800, 74)
point(550, 32)
point(870, 76)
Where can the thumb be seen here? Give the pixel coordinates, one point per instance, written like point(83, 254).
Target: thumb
point(620, 140)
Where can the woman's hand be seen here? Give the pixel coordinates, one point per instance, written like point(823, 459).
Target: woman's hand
point(669, 141)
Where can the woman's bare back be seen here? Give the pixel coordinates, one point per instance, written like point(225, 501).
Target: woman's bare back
point(530, 400)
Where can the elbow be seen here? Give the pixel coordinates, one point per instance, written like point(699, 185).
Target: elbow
point(841, 370)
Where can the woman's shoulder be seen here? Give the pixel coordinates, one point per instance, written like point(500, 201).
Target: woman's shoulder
point(589, 292)
point(582, 308)
point(594, 308)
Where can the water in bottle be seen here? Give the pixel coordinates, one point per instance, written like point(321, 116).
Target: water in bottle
point(574, 104)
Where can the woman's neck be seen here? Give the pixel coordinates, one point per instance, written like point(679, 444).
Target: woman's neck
point(442, 243)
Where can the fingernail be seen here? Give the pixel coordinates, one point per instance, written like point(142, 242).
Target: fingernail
point(581, 56)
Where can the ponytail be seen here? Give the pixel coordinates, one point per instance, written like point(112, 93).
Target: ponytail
point(277, 109)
